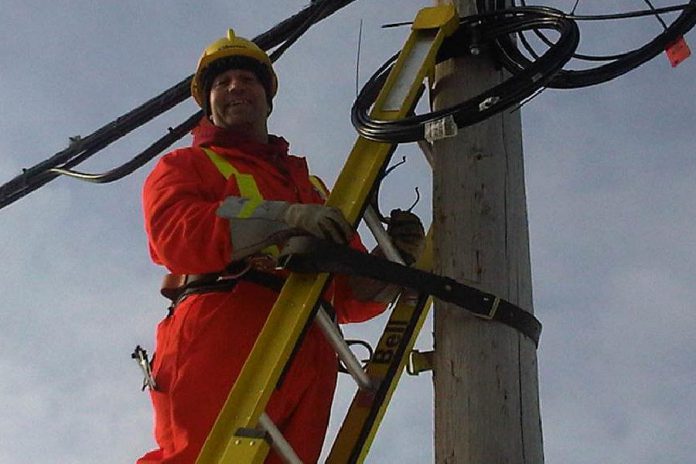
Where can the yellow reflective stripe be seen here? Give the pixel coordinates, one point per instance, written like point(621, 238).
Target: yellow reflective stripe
point(249, 207)
point(224, 166)
point(249, 190)
point(245, 182)
point(247, 187)
point(319, 187)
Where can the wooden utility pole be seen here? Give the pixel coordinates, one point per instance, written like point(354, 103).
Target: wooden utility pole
point(486, 380)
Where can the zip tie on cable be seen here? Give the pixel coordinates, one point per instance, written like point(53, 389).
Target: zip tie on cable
point(440, 129)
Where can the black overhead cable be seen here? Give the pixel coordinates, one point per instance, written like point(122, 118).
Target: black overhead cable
point(657, 15)
point(495, 24)
point(615, 65)
point(81, 149)
point(491, 5)
point(483, 7)
point(597, 58)
point(529, 76)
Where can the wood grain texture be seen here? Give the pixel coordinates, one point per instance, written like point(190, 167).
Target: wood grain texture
point(486, 380)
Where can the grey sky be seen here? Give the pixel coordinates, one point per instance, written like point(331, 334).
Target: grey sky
point(611, 208)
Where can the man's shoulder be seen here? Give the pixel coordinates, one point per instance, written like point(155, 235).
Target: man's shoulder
point(184, 160)
point(183, 156)
point(183, 153)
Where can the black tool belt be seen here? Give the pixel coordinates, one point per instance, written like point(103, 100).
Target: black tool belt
point(310, 255)
point(209, 283)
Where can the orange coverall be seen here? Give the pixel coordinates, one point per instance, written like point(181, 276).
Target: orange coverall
point(202, 346)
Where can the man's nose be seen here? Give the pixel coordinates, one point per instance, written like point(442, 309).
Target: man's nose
point(235, 84)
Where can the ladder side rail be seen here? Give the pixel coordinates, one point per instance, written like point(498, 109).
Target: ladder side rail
point(252, 390)
point(278, 441)
point(298, 298)
point(367, 409)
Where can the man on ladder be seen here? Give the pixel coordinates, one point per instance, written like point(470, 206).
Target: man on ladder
point(216, 214)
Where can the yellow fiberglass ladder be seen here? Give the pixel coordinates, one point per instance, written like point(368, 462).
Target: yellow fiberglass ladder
point(243, 433)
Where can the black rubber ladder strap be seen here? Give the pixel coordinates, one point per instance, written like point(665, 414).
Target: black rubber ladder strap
point(310, 255)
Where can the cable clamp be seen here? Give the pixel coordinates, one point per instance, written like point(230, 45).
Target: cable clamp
point(140, 355)
point(440, 129)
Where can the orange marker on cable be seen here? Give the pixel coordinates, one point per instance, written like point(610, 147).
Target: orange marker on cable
point(677, 51)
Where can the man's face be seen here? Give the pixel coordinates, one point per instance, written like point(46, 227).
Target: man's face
point(238, 102)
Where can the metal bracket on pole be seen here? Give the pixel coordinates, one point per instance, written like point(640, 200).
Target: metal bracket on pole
point(419, 362)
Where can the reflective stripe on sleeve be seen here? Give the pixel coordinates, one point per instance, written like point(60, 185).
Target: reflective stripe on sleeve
point(248, 190)
point(245, 182)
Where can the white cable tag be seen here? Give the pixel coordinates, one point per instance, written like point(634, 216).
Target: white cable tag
point(440, 129)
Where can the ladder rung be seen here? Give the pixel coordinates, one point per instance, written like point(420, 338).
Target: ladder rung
point(345, 354)
point(383, 239)
point(333, 334)
point(278, 441)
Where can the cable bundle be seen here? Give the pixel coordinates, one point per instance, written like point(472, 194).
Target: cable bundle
point(498, 25)
point(487, 27)
point(281, 36)
point(616, 65)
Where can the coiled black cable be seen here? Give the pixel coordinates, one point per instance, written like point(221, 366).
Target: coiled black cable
point(516, 62)
point(81, 149)
point(488, 26)
point(605, 17)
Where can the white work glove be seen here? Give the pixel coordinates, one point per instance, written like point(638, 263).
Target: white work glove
point(324, 222)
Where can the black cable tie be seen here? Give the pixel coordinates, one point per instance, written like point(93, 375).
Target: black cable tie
point(410, 209)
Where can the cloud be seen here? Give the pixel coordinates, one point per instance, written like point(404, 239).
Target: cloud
point(610, 197)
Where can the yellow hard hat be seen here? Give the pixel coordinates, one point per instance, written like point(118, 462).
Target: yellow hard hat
point(228, 47)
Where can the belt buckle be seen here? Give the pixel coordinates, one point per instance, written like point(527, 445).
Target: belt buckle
point(493, 307)
point(262, 263)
